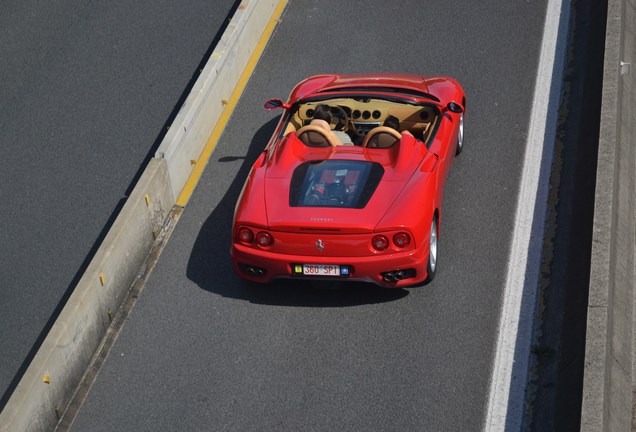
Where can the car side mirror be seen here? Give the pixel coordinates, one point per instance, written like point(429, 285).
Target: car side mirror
point(274, 104)
point(454, 107)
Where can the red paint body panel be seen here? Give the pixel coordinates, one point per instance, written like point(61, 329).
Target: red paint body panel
point(406, 199)
point(282, 217)
point(366, 269)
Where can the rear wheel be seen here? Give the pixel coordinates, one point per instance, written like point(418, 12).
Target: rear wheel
point(460, 135)
point(431, 264)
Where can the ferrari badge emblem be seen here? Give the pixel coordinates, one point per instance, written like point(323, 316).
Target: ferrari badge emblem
point(320, 245)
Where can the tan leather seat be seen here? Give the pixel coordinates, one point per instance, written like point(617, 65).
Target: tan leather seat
point(381, 137)
point(315, 136)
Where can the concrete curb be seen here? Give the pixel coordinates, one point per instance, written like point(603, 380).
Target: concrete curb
point(49, 383)
point(610, 340)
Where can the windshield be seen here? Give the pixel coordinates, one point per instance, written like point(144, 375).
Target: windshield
point(398, 90)
point(334, 183)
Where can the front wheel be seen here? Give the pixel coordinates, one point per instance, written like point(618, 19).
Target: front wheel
point(460, 135)
point(431, 264)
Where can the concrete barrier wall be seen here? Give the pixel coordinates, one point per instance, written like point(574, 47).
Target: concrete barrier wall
point(609, 381)
point(207, 100)
point(59, 364)
point(49, 383)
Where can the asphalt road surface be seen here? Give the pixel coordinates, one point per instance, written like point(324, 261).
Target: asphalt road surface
point(204, 351)
point(86, 89)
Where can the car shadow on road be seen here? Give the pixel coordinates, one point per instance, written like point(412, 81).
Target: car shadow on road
point(210, 266)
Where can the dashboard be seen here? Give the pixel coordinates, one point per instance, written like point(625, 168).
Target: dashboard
point(367, 113)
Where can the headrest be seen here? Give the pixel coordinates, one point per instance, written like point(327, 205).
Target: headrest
point(315, 136)
point(381, 137)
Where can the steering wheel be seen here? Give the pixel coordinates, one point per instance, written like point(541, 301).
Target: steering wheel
point(343, 119)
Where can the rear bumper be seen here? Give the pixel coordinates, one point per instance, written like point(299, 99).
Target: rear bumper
point(368, 269)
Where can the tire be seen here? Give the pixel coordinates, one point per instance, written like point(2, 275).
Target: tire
point(460, 135)
point(431, 263)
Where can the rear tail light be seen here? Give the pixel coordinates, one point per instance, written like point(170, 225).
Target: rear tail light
point(380, 242)
point(245, 235)
point(264, 239)
point(401, 240)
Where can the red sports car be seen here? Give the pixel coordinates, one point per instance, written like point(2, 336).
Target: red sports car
point(350, 185)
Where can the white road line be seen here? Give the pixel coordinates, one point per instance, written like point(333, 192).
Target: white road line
point(510, 367)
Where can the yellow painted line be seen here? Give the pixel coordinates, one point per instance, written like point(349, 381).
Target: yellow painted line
point(188, 189)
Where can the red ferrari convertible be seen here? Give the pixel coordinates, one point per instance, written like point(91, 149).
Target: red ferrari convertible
point(350, 186)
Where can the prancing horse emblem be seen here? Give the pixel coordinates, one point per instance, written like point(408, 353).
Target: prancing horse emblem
point(320, 245)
